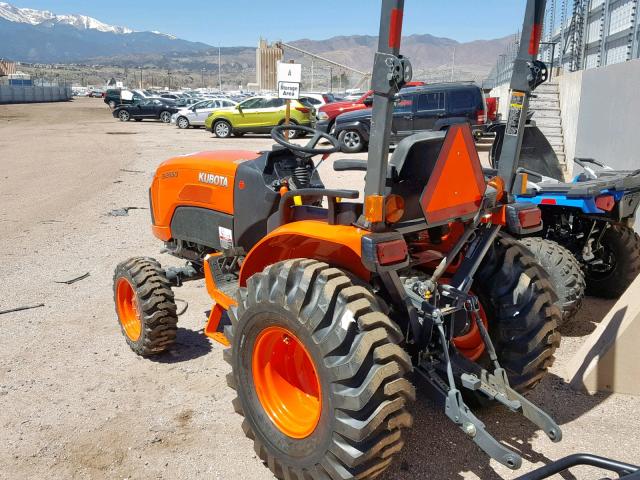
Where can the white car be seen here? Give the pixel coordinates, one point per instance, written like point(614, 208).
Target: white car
point(195, 115)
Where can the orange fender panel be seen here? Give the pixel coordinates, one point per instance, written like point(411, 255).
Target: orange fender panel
point(338, 245)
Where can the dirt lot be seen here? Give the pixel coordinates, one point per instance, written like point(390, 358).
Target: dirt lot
point(75, 402)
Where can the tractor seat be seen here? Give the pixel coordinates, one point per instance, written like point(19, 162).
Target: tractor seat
point(411, 166)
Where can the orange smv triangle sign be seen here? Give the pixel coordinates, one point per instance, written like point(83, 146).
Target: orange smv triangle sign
point(456, 185)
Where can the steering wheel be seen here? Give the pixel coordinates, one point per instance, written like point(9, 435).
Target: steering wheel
point(310, 149)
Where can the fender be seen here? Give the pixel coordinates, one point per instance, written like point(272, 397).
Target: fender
point(338, 245)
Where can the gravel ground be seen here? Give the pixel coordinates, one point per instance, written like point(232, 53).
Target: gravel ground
point(75, 402)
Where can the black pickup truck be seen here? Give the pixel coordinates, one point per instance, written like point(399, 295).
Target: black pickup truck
point(417, 109)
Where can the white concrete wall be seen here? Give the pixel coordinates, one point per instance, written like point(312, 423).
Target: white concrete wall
point(608, 123)
point(570, 89)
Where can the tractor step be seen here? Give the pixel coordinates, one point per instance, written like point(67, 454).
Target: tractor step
point(226, 281)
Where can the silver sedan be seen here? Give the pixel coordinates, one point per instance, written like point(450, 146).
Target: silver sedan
point(195, 115)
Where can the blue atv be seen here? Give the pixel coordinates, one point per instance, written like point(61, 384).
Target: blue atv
point(592, 216)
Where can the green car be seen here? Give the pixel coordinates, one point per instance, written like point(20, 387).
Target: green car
point(255, 115)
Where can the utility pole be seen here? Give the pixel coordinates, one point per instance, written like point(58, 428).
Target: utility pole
point(330, 79)
point(203, 69)
point(312, 75)
point(453, 62)
point(219, 71)
point(141, 87)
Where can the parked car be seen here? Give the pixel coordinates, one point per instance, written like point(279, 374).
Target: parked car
point(316, 100)
point(117, 96)
point(195, 115)
point(493, 105)
point(152, 108)
point(432, 107)
point(256, 115)
point(325, 116)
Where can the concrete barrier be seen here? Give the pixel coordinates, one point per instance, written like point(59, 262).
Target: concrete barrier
point(609, 359)
point(33, 94)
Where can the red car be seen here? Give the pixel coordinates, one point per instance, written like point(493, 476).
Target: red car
point(326, 114)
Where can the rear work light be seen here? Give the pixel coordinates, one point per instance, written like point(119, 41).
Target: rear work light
point(531, 217)
point(392, 252)
point(605, 202)
point(384, 251)
point(520, 218)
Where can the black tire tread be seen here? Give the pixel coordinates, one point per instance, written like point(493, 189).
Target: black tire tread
point(627, 244)
point(156, 304)
point(520, 301)
point(564, 270)
point(366, 366)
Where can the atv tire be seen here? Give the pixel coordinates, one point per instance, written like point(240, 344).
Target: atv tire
point(518, 299)
point(623, 246)
point(145, 305)
point(564, 271)
point(359, 372)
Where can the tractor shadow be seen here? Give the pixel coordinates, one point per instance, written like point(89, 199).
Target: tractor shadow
point(436, 448)
point(189, 345)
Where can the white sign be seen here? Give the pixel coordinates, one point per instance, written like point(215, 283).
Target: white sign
point(289, 90)
point(289, 72)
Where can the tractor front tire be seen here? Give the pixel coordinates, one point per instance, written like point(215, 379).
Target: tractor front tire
point(564, 271)
point(319, 374)
point(519, 301)
point(621, 247)
point(145, 305)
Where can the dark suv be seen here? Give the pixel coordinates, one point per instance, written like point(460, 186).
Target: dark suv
point(430, 107)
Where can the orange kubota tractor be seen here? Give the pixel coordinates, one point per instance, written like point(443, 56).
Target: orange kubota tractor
point(327, 304)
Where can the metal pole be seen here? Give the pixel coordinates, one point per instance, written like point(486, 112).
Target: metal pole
point(453, 62)
point(520, 91)
point(383, 98)
point(219, 71)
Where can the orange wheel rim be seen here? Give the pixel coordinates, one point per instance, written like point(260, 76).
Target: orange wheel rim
point(470, 344)
point(286, 382)
point(128, 309)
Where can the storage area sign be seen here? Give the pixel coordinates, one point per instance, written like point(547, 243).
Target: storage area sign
point(289, 90)
point(289, 79)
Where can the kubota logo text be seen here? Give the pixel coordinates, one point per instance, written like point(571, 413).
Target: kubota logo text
point(218, 180)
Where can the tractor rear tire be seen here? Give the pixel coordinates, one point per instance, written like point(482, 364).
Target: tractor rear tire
point(623, 246)
point(145, 305)
point(357, 385)
point(519, 301)
point(564, 271)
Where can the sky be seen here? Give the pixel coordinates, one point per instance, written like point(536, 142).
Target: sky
point(243, 22)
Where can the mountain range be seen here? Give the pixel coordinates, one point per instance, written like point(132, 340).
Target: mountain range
point(46, 37)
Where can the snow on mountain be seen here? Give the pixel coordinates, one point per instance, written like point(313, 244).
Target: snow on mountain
point(38, 17)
